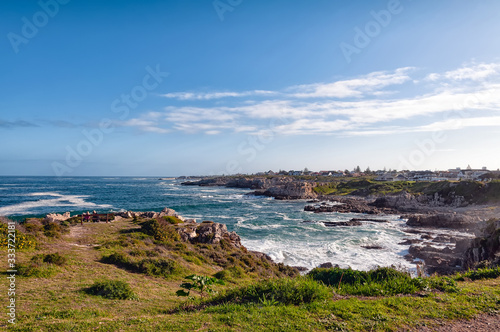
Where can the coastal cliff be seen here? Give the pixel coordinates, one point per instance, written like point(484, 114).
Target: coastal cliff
point(277, 187)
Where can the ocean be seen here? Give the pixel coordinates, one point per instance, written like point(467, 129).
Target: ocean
point(274, 227)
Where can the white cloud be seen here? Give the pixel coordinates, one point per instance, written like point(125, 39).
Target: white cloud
point(358, 87)
point(379, 103)
point(215, 95)
point(475, 72)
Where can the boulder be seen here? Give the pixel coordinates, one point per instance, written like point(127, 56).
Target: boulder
point(441, 220)
point(170, 212)
point(209, 233)
point(54, 217)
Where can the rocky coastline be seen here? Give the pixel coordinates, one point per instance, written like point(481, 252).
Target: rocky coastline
point(451, 233)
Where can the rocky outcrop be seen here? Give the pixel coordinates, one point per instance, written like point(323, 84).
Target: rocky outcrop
point(279, 187)
point(484, 248)
point(208, 233)
point(214, 233)
point(150, 214)
point(348, 205)
point(441, 220)
point(403, 202)
point(54, 217)
point(437, 260)
point(289, 190)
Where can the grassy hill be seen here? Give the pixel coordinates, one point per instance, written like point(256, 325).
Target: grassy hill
point(59, 265)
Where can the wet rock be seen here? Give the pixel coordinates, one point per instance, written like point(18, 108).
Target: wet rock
point(409, 241)
point(342, 223)
point(368, 219)
point(374, 246)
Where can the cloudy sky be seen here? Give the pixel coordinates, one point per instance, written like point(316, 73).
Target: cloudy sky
point(166, 88)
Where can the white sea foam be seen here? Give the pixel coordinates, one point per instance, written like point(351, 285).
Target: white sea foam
point(69, 202)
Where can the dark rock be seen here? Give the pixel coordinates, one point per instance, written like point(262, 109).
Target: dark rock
point(367, 219)
point(300, 268)
point(327, 265)
point(342, 223)
point(409, 241)
point(374, 246)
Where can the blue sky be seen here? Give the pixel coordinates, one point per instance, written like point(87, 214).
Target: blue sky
point(166, 88)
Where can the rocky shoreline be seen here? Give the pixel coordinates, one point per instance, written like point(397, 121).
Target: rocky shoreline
point(452, 236)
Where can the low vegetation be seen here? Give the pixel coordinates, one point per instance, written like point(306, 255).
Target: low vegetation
point(84, 277)
point(111, 289)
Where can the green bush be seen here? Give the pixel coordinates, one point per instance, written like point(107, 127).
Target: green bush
point(283, 291)
point(54, 258)
point(53, 229)
point(158, 267)
point(231, 273)
point(151, 266)
point(111, 289)
point(161, 230)
point(172, 220)
point(484, 273)
point(444, 284)
point(380, 281)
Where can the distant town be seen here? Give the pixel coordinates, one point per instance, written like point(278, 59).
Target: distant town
point(456, 174)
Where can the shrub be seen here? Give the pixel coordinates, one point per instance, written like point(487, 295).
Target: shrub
point(160, 230)
point(111, 289)
point(154, 267)
point(202, 285)
point(380, 281)
point(23, 241)
point(54, 258)
point(172, 220)
point(444, 284)
point(484, 273)
point(52, 229)
point(233, 272)
point(283, 291)
point(158, 267)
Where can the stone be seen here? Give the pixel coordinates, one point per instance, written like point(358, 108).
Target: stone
point(54, 217)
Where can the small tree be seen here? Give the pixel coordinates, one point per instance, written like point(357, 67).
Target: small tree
point(199, 284)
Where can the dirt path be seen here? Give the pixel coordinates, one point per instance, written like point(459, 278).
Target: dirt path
point(482, 323)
